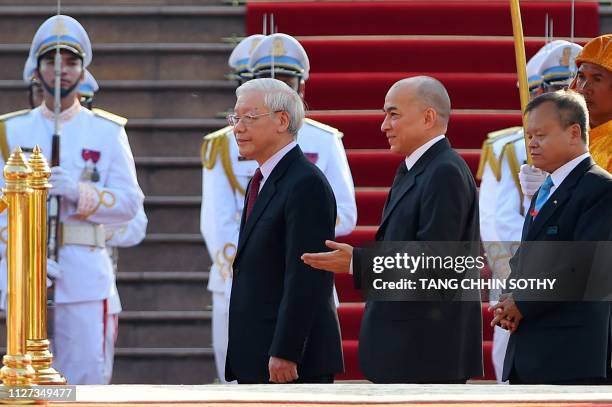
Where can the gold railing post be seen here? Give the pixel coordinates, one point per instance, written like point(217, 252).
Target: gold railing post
point(17, 369)
point(37, 343)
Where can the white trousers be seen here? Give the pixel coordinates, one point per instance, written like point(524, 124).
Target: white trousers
point(78, 343)
point(110, 339)
point(220, 326)
point(500, 343)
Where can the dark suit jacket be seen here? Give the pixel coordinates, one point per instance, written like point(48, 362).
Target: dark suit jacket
point(563, 341)
point(280, 306)
point(432, 341)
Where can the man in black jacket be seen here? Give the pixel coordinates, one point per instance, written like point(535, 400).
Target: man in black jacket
point(283, 325)
point(433, 198)
point(557, 338)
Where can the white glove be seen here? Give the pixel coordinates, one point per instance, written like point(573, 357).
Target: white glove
point(53, 270)
point(63, 184)
point(531, 178)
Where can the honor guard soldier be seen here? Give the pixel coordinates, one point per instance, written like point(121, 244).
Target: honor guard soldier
point(594, 82)
point(226, 174)
point(502, 204)
point(97, 183)
point(117, 235)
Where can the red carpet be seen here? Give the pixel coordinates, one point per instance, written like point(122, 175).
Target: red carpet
point(451, 18)
point(376, 168)
point(466, 130)
point(367, 90)
point(414, 54)
point(358, 49)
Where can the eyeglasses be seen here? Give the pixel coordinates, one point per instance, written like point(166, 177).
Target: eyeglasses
point(247, 119)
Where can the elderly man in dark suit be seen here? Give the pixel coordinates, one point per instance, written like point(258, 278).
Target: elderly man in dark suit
point(561, 340)
point(433, 198)
point(283, 325)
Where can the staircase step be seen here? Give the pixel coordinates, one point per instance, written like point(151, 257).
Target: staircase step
point(170, 175)
point(183, 175)
point(164, 329)
point(169, 137)
point(137, 61)
point(53, 3)
point(163, 252)
point(110, 23)
point(146, 98)
point(367, 90)
point(329, 55)
point(164, 366)
point(181, 214)
point(361, 128)
point(163, 290)
point(605, 18)
point(466, 129)
point(173, 214)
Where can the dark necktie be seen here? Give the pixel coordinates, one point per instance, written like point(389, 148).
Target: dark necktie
point(399, 175)
point(253, 191)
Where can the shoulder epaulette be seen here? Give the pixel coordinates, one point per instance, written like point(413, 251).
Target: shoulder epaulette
point(121, 121)
point(10, 115)
point(211, 144)
point(487, 156)
point(503, 132)
point(221, 132)
point(214, 145)
point(515, 166)
point(4, 147)
point(324, 127)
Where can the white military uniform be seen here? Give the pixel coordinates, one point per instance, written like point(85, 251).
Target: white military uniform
point(225, 177)
point(119, 235)
point(91, 143)
point(502, 203)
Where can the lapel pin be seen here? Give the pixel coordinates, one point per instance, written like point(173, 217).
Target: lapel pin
point(555, 201)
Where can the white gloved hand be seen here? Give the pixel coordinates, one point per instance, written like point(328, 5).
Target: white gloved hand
point(63, 184)
point(531, 178)
point(53, 270)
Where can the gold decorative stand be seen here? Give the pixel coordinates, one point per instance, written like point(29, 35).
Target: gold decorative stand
point(37, 344)
point(28, 360)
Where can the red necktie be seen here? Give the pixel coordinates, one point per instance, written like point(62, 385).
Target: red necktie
point(253, 191)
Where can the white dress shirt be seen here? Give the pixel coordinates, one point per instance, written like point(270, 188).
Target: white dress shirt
point(418, 153)
point(559, 175)
point(267, 167)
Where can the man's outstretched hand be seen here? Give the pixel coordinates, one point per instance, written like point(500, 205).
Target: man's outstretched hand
point(337, 261)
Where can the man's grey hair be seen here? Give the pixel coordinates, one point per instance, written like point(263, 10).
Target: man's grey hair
point(278, 97)
point(430, 92)
point(571, 109)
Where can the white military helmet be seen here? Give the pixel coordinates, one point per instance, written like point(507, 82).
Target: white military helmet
point(279, 54)
point(88, 86)
point(28, 71)
point(63, 32)
point(239, 59)
point(553, 65)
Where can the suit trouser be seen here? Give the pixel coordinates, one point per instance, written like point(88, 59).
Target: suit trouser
point(78, 345)
point(220, 326)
